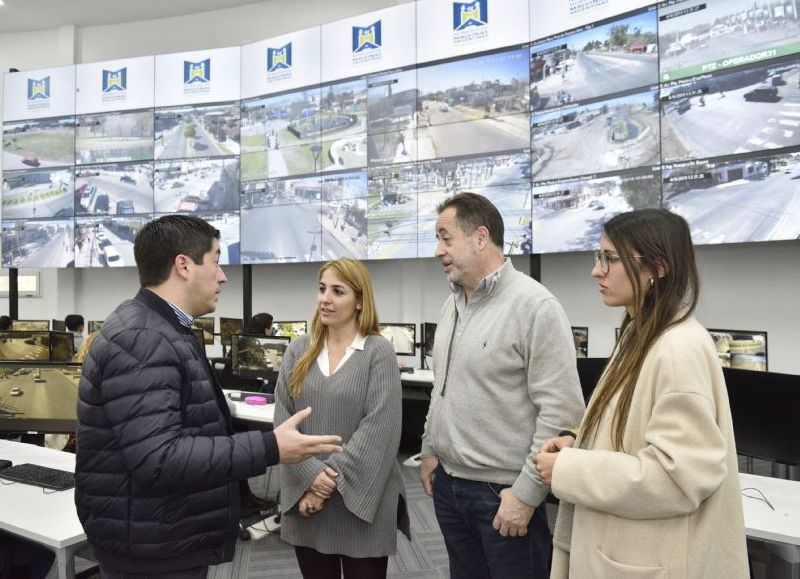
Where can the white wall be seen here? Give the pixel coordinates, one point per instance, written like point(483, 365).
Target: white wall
point(216, 29)
point(749, 287)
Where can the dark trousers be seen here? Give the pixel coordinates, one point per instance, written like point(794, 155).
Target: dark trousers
point(196, 573)
point(316, 565)
point(465, 510)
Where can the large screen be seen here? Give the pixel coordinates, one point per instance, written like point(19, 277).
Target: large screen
point(206, 324)
point(290, 330)
point(38, 397)
point(743, 349)
point(341, 140)
point(258, 356)
point(21, 345)
point(402, 336)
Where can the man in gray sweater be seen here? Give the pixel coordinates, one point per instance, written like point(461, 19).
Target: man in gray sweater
point(505, 380)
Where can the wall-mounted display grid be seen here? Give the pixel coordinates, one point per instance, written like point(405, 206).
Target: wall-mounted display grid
point(341, 139)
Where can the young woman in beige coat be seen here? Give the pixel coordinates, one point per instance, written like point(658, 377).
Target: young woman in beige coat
point(650, 488)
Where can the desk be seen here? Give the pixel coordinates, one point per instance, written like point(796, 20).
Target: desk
point(779, 528)
point(263, 415)
point(781, 525)
point(48, 519)
point(417, 387)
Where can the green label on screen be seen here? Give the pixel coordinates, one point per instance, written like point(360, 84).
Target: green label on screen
point(730, 62)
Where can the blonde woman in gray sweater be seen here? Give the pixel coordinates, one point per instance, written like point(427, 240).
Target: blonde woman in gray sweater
point(342, 512)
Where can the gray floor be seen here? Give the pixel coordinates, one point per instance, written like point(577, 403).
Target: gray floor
point(424, 558)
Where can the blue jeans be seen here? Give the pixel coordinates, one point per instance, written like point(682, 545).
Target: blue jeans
point(465, 510)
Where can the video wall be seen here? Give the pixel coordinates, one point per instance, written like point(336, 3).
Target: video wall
point(341, 139)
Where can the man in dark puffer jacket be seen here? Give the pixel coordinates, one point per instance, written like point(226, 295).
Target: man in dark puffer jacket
point(158, 463)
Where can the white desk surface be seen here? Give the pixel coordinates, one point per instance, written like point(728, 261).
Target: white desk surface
point(781, 525)
point(418, 375)
point(43, 516)
point(243, 411)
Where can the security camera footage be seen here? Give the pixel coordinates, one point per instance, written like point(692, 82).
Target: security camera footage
point(39, 143)
point(402, 336)
point(568, 214)
point(228, 327)
point(580, 335)
point(35, 394)
point(601, 136)
point(26, 346)
point(601, 59)
point(741, 349)
point(31, 194)
point(114, 189)
point(192, 185)
point(106, 241)
point(37, 243)
point(207, 325)
point(736, 199)
point(692, 105)
point(697, 36)
point(290, 329)
point(197, 131)
point(257, 356)
point(474, 105)
point(114, 136)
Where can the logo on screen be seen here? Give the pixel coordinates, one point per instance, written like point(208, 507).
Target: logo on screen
point(197, 72)
point(279, 58)
point(39, 90)
point(468, 14)
point(365, 39)
point(115, 80)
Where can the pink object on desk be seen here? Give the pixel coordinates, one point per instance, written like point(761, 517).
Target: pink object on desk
point(255, 400)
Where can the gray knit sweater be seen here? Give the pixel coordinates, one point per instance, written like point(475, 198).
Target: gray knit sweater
point(512, 382)
point(361, 402)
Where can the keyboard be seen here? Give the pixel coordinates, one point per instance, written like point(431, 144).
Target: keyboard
point(40, 476)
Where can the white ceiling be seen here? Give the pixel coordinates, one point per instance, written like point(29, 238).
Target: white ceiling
point(24, 15)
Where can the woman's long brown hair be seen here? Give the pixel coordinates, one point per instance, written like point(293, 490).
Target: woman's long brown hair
point(355, 275)
point(663, 240)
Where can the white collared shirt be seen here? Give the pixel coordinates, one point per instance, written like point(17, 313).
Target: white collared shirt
point(322, 359)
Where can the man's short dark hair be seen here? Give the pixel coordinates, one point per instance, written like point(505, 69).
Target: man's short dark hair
point(163, 239)
point(473, 211)
point(5, 323)
point(259, 323)
point(74, 322)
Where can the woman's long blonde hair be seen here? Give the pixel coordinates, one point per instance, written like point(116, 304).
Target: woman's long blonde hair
point(81, 354)
point(662, 239)
point(355, 275)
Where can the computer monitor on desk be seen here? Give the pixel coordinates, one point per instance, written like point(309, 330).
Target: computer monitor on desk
point(402, 336)
point(290, 330)
point(30, 325)
point(227, 328)
point(38, 396)
point(428, 335)
point(207, 325)
point(589, 372)
point(258, 357)
point(764, 407)
point(33, 346)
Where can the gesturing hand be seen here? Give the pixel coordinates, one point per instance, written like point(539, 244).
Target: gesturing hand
point(325, 483)
point(293, 446)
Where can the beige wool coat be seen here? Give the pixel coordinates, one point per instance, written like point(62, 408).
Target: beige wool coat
point(670, 504)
